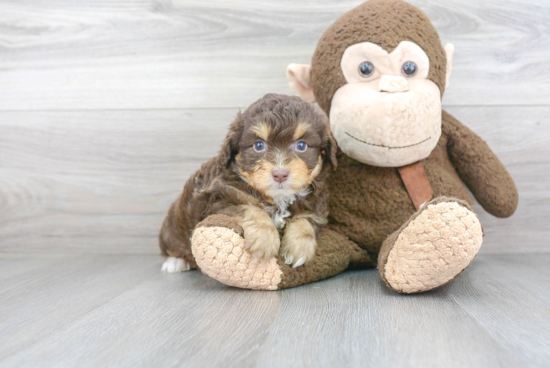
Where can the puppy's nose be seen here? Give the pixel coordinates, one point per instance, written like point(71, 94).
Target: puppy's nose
point(280, 175)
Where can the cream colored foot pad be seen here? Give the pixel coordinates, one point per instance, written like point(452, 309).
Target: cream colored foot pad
point(220, 253)
point(434, 248)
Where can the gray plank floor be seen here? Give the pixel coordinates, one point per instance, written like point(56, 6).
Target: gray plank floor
point(120, 310)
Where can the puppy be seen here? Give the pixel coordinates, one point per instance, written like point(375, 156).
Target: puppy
point(269, 177)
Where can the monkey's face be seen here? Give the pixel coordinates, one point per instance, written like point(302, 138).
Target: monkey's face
point(379, 72)
point(388, 113)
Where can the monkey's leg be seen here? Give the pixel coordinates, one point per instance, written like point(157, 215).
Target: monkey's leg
point(220, 252)
point(432, 248)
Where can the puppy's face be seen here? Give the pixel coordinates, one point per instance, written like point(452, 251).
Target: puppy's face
point(280, 161)
point(279, 145)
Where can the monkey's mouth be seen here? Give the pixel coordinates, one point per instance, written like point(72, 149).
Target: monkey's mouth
point(384, 146)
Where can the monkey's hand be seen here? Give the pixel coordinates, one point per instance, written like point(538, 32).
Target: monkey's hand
point(299, 243)
point(480, 169)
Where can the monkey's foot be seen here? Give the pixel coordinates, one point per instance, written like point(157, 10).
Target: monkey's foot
point(432, 248)
point(219, 249)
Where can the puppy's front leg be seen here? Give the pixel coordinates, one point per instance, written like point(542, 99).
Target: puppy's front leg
point(260, 234)
point(299, 243)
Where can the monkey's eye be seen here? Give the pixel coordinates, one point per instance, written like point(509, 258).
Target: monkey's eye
point(259, 146)
point(366, 68)
point(301, 146)
point(409, 69)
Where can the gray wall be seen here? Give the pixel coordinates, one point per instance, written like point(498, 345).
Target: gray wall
point(106, 107)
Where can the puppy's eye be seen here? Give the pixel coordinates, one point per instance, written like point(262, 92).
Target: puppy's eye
point(301, 146)
point(409, 69)
point(366, 69)
point(259, 146)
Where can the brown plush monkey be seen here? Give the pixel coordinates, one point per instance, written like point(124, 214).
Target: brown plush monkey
point(399, 198)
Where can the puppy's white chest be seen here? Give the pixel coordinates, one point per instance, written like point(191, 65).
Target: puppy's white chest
point(279, 216)
point(279, 211)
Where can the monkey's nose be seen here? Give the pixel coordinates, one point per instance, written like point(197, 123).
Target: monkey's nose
point(393, 84)
point(280, 175)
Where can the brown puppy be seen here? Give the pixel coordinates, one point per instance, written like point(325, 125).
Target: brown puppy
point(269, 177)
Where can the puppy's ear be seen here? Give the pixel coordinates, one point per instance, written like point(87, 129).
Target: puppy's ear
point(230, 146)
point(331, 148)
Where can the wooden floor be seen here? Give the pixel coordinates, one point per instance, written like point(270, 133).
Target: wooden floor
point(120, 310)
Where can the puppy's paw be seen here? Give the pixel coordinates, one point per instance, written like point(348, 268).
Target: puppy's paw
point(299, 243)
point(173, 265)
point(262, 240)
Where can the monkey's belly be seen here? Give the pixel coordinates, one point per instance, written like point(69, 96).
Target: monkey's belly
point(369, 203)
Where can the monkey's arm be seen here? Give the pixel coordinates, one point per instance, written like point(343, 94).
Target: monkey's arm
point(480, 169)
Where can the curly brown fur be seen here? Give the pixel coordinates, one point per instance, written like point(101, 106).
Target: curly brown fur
point(240, 181)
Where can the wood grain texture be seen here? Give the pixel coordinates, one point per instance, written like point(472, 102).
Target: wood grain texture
point(37, 302)
point(102, 181)
point(101, 310)
point(125, 54)
point(98, 181)
point(521, 289)
point(519, 137)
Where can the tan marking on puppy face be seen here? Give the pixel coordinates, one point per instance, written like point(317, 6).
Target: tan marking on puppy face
point(261, 176)
point(301, 129)
point(300, 175)
point(262, 130)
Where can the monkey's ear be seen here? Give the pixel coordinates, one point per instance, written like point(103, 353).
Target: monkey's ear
point(230, 146)
point(299, 80)
point(449, 51)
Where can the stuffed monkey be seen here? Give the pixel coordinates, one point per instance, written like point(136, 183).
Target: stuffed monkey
point(398, 198)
